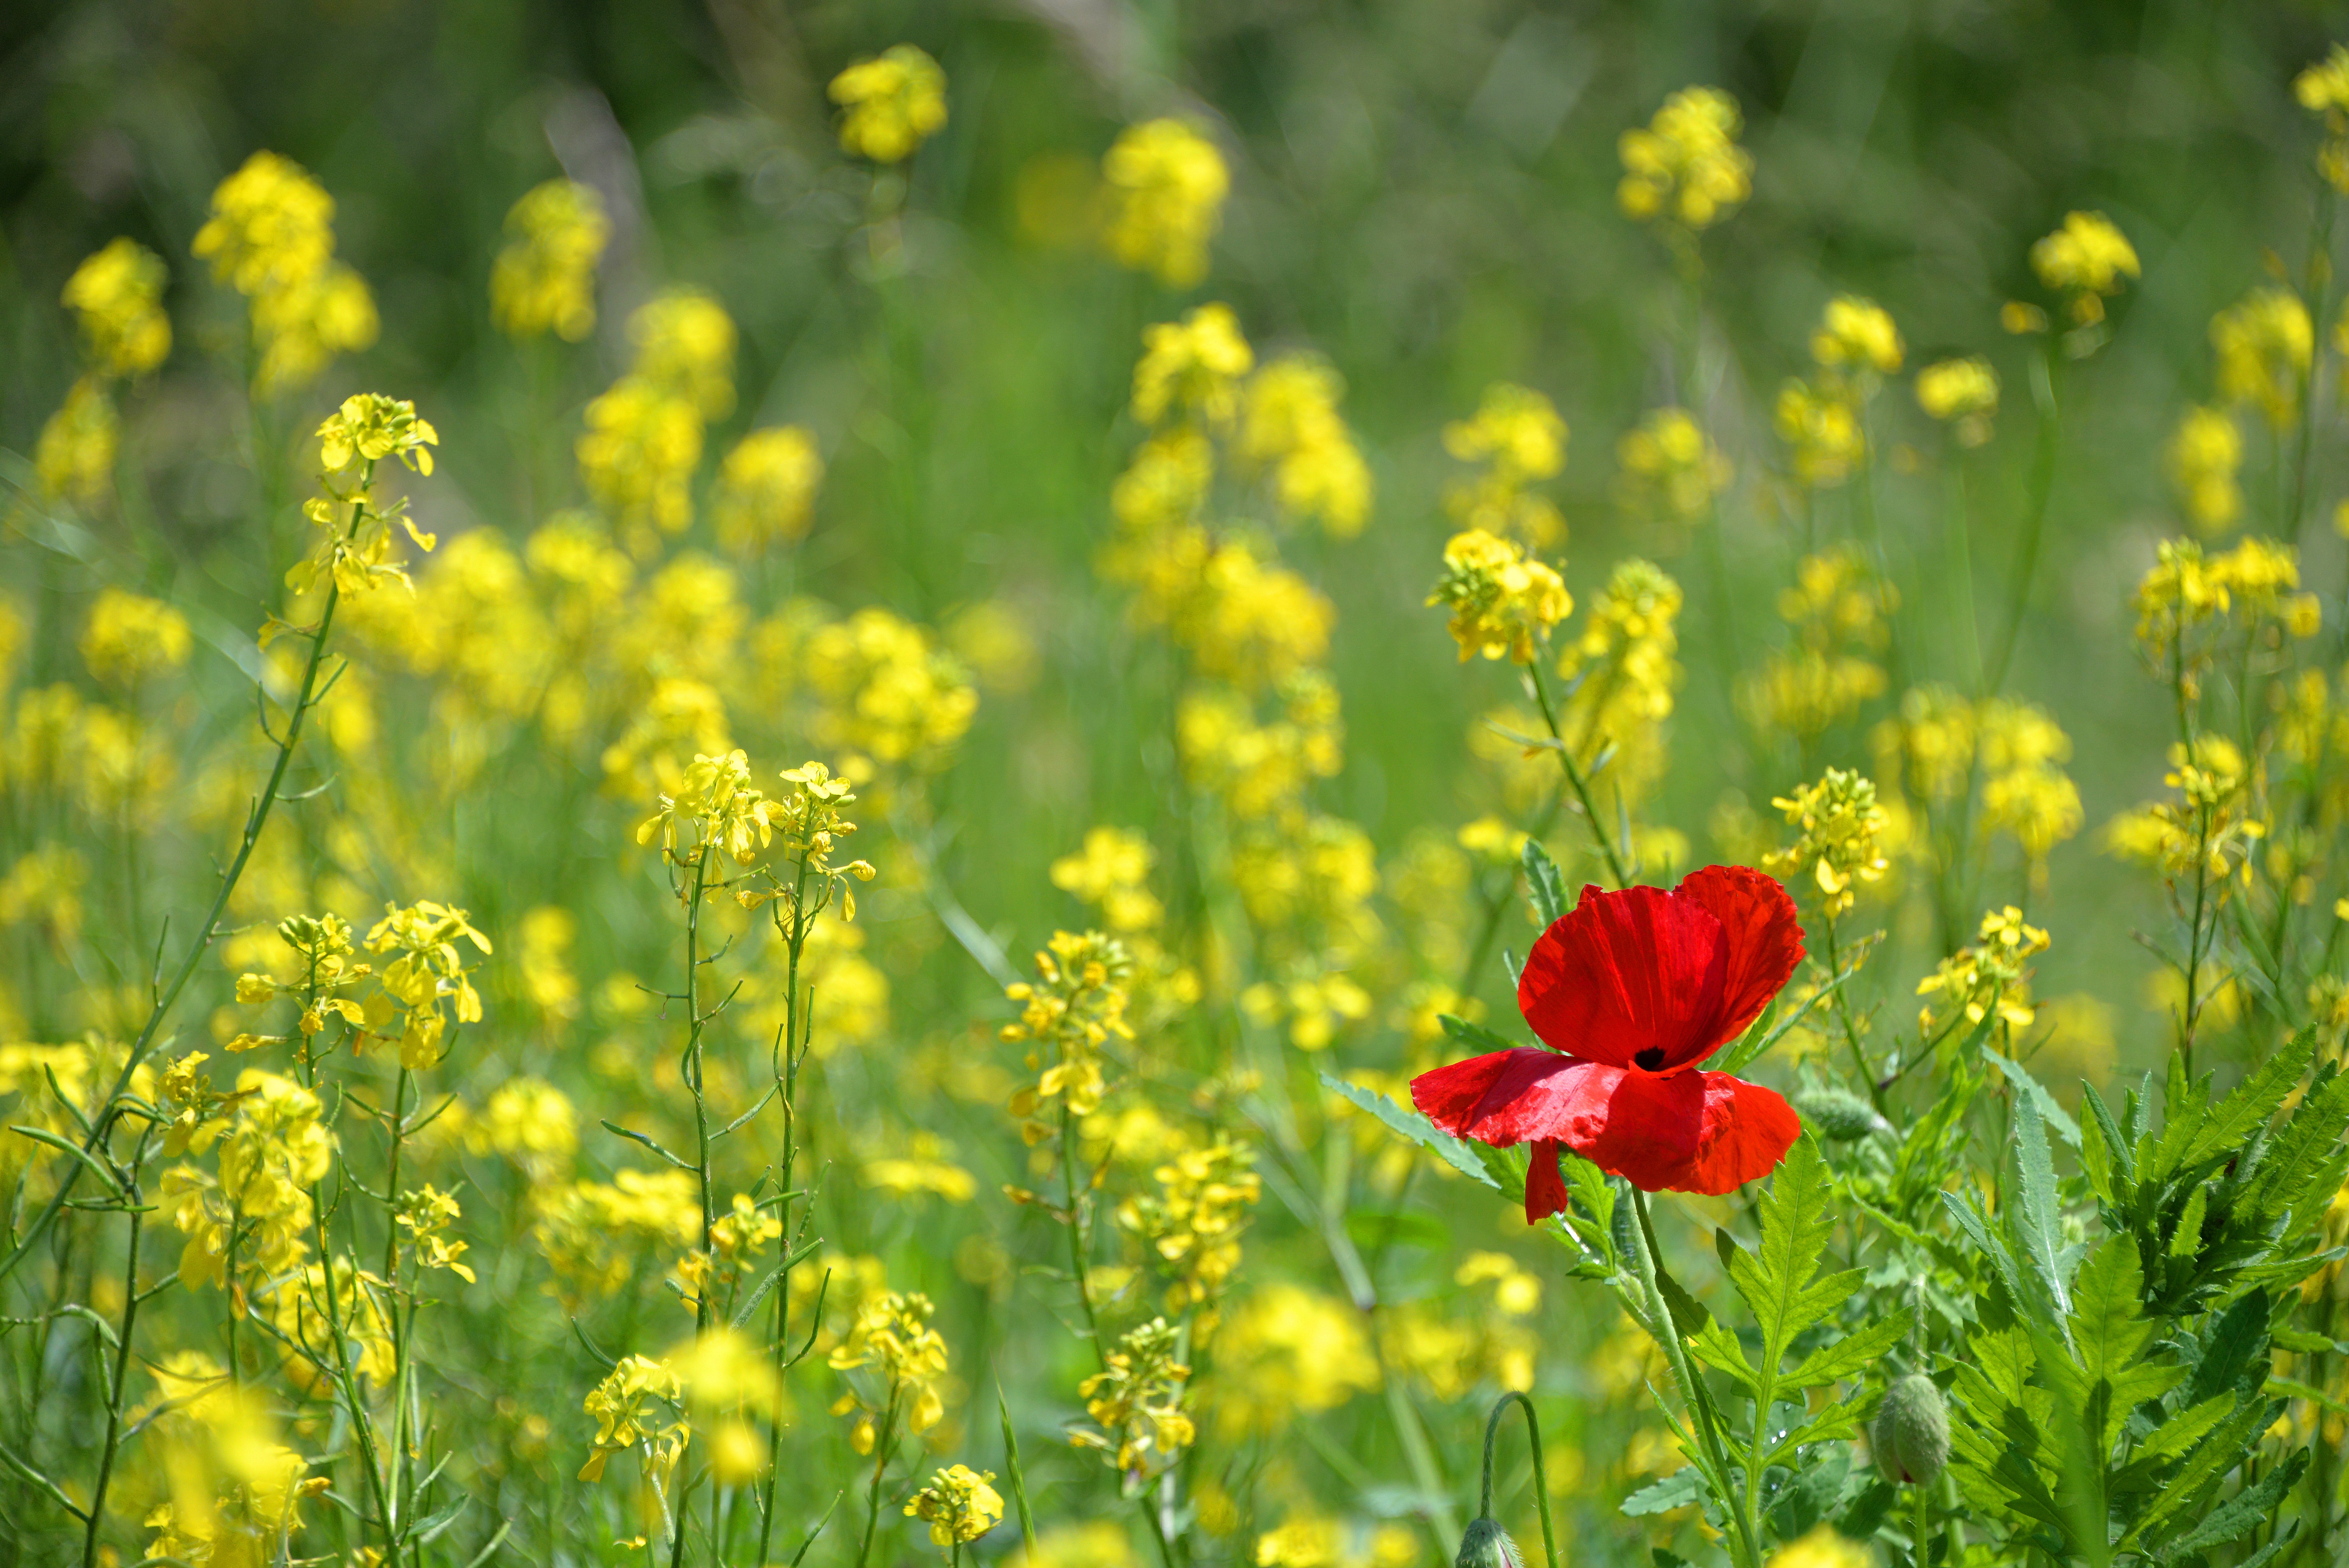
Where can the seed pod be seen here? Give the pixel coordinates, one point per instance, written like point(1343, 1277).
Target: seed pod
point(1841, 1115)
point(1488, 1545)
point(1912, 1434)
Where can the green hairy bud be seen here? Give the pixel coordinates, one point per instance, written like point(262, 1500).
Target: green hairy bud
point(1912, 1432)
point(1841, 1115)
point(1488, 1545)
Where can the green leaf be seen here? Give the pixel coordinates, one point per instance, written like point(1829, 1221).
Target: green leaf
point(2053, 1114)
point(1410, 1124)
point(1851, 1354)
point(2241, 1512)
point(1544, 878)
point(1718, 1348)
point(1796, 1218)
point(1677, 1490)
point(2116, 1146)
point(2234, 1355)
point(2184, 1493)
point(2034, 1220)
point(1965, 1211)
point(2110, 1375)
point(1476, 1036)
point(2303, 1341)
point(2255, 1100)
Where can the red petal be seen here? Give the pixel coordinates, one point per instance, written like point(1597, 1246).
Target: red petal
point(1649, 1129)
point(1747, 1129)
point(1515, 1096)
point(1545, 1188)
point(1626, 972)
point(1762, 942)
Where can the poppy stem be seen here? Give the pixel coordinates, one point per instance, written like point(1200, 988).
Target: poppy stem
point(1668, 1338)
point(1541, 1476)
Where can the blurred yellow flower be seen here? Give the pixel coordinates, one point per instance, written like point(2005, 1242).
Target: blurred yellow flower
point(1685, 167)
point(1166, 183)
point(544, 279)
point(891, 104)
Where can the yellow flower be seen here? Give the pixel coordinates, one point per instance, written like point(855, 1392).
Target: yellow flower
point(959, 1505)
point(1166, 184)
point(625, 1406)
point(1857, 334)
point(1289, 422)
point(1962, 393)
point(1686, 167)
point(129, 637)
point(2323, 89)
point(1113, 873)
point(1516, 438)
point(2085, 261)
point(1841, 823)
point(1141, 1426)
point(369, 428)
point(1670, 465)
point(271, 226)
point(1992, 976)
point(1192, 367)
point(1822, 429)
point(892, 104)
point(1500, 604)
point(765, 489)
point(544, 279)
point(75, 455)
point(2204, 454)
point(118, 295)
point(2263, 343)
point(1822, 1548)
point(892, 1335)
point(1286, 1351)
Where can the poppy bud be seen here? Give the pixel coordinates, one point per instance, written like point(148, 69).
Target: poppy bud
point(1840, 1114)
point(1488, 1545)
point(1912, 1434)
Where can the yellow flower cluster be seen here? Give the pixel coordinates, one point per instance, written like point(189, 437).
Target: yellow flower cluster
point(891, 104)
point(1821, 429)
point(2085, 261)
point(2252, 588)
point(1856, 337)
point(2323, 89)
point(117, 295)
point(1841, 825)
point(766, 489)
point(1166, 183)
point(256, 1202)
point(1290, 429)
point(1962, 394)
point(892, 1335)
point(640, 1402)
point(1111, 872)
point(1670, 468)
point(544, 279)
point(1076, 1007)
point(959, 1505)
point(1941, 744)
point(1137, 1404)
point(589, 1230)
point(644, 434)
point(1261, 771)
point(354, 551)
point(1192, 1223)
point(425, 1214)
point(1502, 604)
point(1686, 168)
point(1517, 440)
point(234, 1490)
point(428, 972)
point(1836, 609)
point(1285, 1351)
point(1992, 975)
point(1621, 672)
point(2211, 826)
point(886, 691)
point(2263, 344)
point(129, 638)
point(271, 237)
point(2205, 453)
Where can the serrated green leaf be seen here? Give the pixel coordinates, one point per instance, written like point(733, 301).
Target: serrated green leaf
point(2254, 1102)
point(1796, 1218)
point(1476, 1036)
point(2234, 1354)
point(1548, 884)
point(2241, 1512)
point(1976, 1225)
point(1851, 1354)
point(2184, 1493)
point(1718, 1348)
point(2034, 1219)
point(2117, 1151)
point(1410, 1124)
point(2050, 1112)
point(2109, 1375)
point(1677, 1490)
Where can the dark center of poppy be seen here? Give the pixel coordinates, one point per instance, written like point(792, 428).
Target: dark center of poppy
point(1651, 1058)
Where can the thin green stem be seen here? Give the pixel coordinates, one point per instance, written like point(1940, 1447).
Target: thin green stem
point(122, 1355)
point(1745, 1550)
point(1541, 1475)
point(883, 1441)
point(1867, 1074)
point(1574, 779)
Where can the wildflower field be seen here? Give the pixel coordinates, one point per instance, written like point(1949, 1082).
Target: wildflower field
point(1118, 786)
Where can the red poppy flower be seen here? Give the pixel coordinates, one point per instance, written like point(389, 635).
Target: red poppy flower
point(1631, 990)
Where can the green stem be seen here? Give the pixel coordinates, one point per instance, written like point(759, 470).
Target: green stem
point(122, 1353)
point(1868, 1074)
point(882, 1442)
point(1745, 1549)
point(2034, 520)
point(1574, 779)
point(1541, 1475)
point(1923, 1526)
